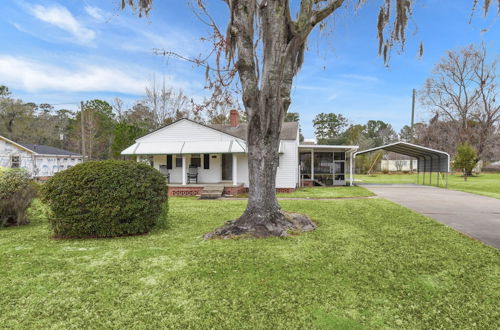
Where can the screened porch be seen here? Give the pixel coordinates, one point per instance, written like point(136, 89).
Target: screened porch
point(326, 165)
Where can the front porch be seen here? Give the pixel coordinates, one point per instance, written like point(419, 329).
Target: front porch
point(200, 169)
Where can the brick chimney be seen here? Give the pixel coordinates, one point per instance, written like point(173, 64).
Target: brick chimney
point(234, 118)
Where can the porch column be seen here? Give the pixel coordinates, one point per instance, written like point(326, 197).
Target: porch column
point(350, 167)
point(312, 164)
point(235, 170)
point(184, 173)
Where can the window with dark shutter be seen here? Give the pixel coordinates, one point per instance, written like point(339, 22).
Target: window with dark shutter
point(169, 162)
point(206, 161)
point(178, 161)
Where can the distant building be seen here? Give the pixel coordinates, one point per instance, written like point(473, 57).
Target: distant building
point(40, 161)
point(398, 165)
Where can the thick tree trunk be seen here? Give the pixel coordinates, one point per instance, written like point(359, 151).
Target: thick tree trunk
point(266, 96)
point(263, 216)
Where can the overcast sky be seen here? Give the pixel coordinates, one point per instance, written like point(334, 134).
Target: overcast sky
point(63, 52)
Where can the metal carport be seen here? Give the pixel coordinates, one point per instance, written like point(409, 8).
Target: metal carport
point(428, 160)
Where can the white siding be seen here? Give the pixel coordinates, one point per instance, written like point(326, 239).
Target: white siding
point(36, 165)
point(185, 130)
point(50, 165)
point(7, 150)
point(243, 170)
point(287, 174)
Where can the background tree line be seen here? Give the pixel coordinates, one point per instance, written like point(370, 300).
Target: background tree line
point(107, 128)
point(462, 96)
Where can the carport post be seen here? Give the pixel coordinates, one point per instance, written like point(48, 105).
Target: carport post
point(418, 160)
point(438, 179)
point(350, 168)
point(446, 180)
point(430, 174)
point(425, 167)
point(312, 164)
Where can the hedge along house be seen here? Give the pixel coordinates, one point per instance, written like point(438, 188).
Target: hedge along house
point(197, 157)
point(40, 161)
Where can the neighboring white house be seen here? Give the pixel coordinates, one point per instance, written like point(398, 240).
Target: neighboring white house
point(217, 154)
point(38, 160)
point(398, 165)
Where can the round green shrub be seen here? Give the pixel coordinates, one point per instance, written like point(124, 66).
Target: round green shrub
point(16, 194)
point(105, 199)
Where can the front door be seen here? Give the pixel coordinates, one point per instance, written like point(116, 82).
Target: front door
point(227, 167)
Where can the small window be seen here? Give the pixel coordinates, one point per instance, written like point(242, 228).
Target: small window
point(206, 161)
point(15, 161)
point(195, 160)
point(169, 162)
point(178, 161)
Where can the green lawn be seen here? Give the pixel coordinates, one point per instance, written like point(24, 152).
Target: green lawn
point(484, 184)
point(328, 192)
point(370, 264)
point(387, 178)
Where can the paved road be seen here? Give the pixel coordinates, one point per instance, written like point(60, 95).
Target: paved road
point(474, 215)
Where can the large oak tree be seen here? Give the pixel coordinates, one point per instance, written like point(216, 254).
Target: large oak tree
point(267, 40)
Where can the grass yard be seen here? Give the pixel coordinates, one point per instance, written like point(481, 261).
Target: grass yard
point(484, 184)
point(487, 184)
point(370, 264)
point(387, 178)
point(328, 192)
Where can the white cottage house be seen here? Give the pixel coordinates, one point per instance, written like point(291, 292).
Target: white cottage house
point(40, 161)
point(196, 157)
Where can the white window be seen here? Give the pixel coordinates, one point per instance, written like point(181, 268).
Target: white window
point(15, 161)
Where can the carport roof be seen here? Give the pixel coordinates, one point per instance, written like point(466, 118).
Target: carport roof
point(419, 152)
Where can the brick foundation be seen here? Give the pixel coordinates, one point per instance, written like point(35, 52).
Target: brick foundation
point(233, 191)
point(308, 183)
point(285, 190)
point(184, 191)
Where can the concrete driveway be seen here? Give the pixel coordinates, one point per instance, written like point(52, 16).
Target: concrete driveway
point(474, 215)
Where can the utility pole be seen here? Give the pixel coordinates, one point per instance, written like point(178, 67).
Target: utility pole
point(412, 140)
point(413, 114)
point(83, 133)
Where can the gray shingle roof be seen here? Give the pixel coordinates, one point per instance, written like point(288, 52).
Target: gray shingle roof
point(47, 150)
point(289, 130)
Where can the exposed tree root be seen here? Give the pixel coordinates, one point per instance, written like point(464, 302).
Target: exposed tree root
point(280, 224)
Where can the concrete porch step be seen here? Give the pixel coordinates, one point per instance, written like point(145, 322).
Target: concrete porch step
point(212, 192)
